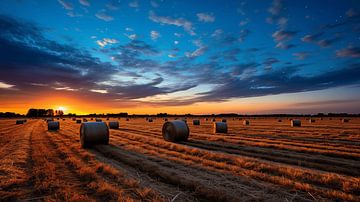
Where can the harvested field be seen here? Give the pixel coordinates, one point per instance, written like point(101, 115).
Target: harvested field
point(267, 160)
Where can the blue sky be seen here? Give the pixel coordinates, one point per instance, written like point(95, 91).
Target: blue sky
point(180, 53)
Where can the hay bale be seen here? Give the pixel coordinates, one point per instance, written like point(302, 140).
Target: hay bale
point(175, 131)
point(345, 120)
point(85, 120)
point(78, 121)
point(213, 120)
point(107, 119)
point(196, 122)
point(295, 123)
point(206, 119)
point(20, 121)
point(165, 119)
point(246, 122)
point(74, 119)
point(53, 125)
point(92, 133)
point(311, 120)
point(220, 127)
point(127, 119)
point(279, 120)
point(92, 119)
point(113, 124)
point(224, 120)
point(98, 120)
point(63, 119)
point(150, 120)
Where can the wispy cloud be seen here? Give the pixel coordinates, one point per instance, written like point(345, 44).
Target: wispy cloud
point(84, 2)
point(349, 52)
point(134, 4)
point(180, 22)
point(4, 85)
point(66, 5)
point(106, 41)
point(102, 15)
point(205, 17)
point(131, 36)
point(154, 35)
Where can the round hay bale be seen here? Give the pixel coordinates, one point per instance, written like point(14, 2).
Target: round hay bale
point(196, 122)
point(206, 119)
point(74, 119)
point(127, 119)
point(98, 120)
point(220, 127)
point(295, 123)
point(175, 131)
point(92, 119)
point(165, 119)
point(20, 121)
point(224, 120)
point(213, 120)
point(53, 125)
point(78, 121)
point(92, 133)
point(246, 122)
point(107, 119)
point(113, 124)
point(345, 120)
point(85, 120)
point(150, 120)
point(311, 120)
point(279, 120)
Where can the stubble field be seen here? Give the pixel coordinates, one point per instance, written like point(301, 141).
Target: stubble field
point(264, 161)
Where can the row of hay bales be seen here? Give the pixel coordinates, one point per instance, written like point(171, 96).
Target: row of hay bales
point(174, 131)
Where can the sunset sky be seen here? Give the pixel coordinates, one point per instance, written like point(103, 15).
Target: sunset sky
point(182, 56)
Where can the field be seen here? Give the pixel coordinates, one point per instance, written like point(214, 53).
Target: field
point(264, 161)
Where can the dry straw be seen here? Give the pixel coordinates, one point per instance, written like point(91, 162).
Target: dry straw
point(246, 122)
point(114, 124)
point(53, 125)
point(93, 133)
point(175, 131)
point(220, 127)
point(196, 122)
point(295, 123)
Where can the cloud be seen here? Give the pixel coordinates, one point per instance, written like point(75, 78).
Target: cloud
point(199, 51)
point(154, 35)
point(217, 33)
point(4, 85)
point(301, 55)
point(84, 2)
point(154, 3)
point(73, 14)
point(349, 52)
point(269, 62)
point(134, 4)
point(283, 35)
point(99, 91)
point(102, 15)
point(244, 22)
point(243, 34)
point(113, 5)
point(180, 22)
point(106, 41)
point(312, 37)
point(66, 5)
point(276, 11)
point(205, 17)
point(131, 36)
point(324, 43)
point(283, 80)
point(129, 29)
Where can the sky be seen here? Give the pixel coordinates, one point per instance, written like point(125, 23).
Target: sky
point(185, 56)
